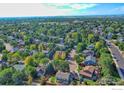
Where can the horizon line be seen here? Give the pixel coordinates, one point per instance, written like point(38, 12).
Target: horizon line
point(60, 16)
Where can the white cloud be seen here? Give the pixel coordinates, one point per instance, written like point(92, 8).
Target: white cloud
point(82, 6)
point(121, 9)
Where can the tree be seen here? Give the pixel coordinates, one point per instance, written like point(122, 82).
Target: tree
point(90, 37)
point(53, 79)
point(121, 46)
point(76, 36)
point(6, 76)
point(59, 55)
point(44, 61)
point(108, 68)
point(2, 47)
point(29, 70)
point(56, 56)
point(61, 65)
point(120, 82)
point(81, 47)
point(16, 57)
point(28, 60)
point(98, 45)
point(42, 80)
point(104, 50)
point(32, 47)
point(18, 78)
point(30, 80)
point(4, 57)
point(79, 58)
point(39, 55)
point(63, 55)
point(40, 47)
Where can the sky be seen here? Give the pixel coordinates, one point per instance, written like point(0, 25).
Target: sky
point(60, 9)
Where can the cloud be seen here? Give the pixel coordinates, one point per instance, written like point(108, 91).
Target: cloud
point(121, 9)
point(76, 6)
point(82, 6)
point(43, 9)
point(69, 8)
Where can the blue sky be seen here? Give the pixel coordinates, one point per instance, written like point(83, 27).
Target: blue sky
point(60, 9)
point(89, 9)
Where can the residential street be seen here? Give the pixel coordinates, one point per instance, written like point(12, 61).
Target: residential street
point(119, 60)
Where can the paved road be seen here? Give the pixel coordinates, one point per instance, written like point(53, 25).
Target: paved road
point(119, 60)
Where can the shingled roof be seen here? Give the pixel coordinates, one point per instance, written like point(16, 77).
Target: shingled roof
point(63, 75)
point(88, 71)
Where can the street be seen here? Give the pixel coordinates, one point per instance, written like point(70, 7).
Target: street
point(119, 60)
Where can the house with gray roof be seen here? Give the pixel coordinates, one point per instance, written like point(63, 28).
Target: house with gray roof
point(63, 78)
point(90, 60)
point(19, 67)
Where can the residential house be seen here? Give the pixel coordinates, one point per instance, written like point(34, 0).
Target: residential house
point(20, 62)
point(45, 51)
point(51, 54)
point(14, 49)
point(40, 70)
point(49, 70)
point(8, 46)
point(37, 41)
point(75, 76)
point(19, 67)
point(90, 47)
point(88, 53)
point(109, 36)
point(121, 39)
point(21, 43)
point(62, 41)
point(32, 52)
point(88, 73)
point(72, 54)
point(63, 78)
point(1, 57)
point(90, 60)
point(45, 70)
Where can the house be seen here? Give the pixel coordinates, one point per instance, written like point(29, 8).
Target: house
point(20, 62)
point(90, 60)
point(40, 70)
point(63, 78)
point(32, 52)
point(88, 53)
point(72, 54)
point(14, 49)
point(21, 43)
point(61, 41)
point(121, 39)
point(1, 57)
point(90, 47)
point(45, 70)
point(45, 51)
point(88, 73)
point(51, 54)
point(37, 41)
point(109, 36)
point(49, 70)
point(19, 67)
point(8, 46)
point(75, 76)
point(1, 66)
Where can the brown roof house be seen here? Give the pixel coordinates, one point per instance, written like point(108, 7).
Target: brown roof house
point(88, 72)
